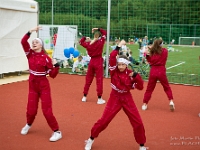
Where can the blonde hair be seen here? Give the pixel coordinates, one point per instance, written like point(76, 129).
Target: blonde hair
point(97, 34)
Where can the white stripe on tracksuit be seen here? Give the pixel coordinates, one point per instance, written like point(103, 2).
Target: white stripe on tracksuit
point(112, 68)
point(116, 89)
point(39, 73)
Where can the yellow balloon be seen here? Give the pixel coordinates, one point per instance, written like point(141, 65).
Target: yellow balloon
point(49, 52)
point(74, 59)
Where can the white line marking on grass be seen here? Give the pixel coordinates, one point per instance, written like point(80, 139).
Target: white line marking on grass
point(175, 65)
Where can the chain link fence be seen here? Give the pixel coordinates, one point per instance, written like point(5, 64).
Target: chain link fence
point(133, 19)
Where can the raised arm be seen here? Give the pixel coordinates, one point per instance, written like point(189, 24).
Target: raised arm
point(103, 32)
point(24, 40)
point(113, 57)
point(83, 42)
point(25, 44)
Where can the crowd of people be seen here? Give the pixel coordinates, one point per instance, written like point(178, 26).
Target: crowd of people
point(123, 80)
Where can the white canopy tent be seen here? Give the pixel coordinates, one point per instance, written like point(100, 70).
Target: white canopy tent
point(17, 17)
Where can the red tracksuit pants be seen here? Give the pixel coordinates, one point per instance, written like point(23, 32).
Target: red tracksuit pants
point(114, 105)
point(95, 68)
point(157, 73)
point(39, 88)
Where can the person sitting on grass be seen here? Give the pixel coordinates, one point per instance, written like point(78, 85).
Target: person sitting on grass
point(78, 66)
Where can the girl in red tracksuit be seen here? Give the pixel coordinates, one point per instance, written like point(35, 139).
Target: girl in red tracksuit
point(122, 81)
point(40, 64)
point(157, 57)
point(95, 67)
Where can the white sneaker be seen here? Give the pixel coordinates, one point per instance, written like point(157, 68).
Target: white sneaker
point(143, 148)
point(84, 99)
point(171, 106)
point(56, 136)
point(100, 101)
point(88, 144)
point(25, 129)
point(144, 107)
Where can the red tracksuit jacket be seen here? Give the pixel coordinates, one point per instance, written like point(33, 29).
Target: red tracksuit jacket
point(95, 49)
point(121, 81)
point(39, 63)
point(158, 60)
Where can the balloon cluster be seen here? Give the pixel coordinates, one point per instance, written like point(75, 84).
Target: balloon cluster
point(72, 51)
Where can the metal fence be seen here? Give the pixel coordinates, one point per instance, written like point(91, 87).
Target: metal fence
point(132, 19)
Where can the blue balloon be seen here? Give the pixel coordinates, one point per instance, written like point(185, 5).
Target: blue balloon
point(76, 53)
point(71, 50)
point(66, 52)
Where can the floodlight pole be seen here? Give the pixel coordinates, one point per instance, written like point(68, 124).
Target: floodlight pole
point(51, 31)
point(52, 13)
point(108, 38)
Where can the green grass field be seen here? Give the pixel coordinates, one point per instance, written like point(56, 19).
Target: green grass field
point(183, 65)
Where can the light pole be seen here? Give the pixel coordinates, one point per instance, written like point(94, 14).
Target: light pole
point(52, 13)
point(108, 37)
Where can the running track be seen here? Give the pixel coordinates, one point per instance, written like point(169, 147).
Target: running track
point(165, 130)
